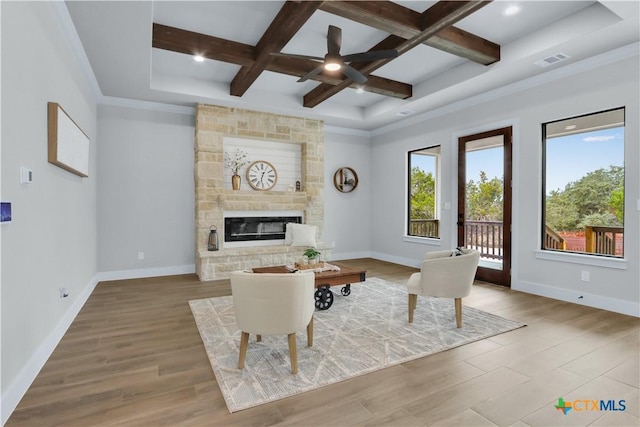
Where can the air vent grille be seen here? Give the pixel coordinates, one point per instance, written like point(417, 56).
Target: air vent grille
point(553, 59)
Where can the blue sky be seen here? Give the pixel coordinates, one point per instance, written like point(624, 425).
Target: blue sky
point(569, 158)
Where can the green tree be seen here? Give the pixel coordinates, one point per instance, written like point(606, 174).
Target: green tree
point(485, 199)
point(595, 199)
point(616, 203)
point(423, 194)
point(561, 213)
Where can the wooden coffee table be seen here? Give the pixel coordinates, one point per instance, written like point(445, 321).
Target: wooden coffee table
point(324, 280)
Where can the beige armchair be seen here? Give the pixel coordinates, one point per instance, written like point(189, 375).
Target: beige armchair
point(273, 304)
point(443, 274)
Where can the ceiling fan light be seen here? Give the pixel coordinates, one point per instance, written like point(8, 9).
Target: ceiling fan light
point(332, 66)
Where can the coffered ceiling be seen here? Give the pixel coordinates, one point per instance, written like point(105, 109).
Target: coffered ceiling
point(447, 51)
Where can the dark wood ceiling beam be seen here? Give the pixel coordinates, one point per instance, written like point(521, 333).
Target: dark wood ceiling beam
point(284, 26)
point(210, 47)
point(407, 23)
point(215, 48)
point(466, 45)
point(438, 17)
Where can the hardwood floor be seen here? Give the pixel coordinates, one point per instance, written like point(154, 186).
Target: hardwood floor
point(133, 356)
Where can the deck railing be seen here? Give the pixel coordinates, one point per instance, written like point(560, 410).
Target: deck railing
point(604, 240)
point(424, 227)
point(486, 237)
point(553, 240)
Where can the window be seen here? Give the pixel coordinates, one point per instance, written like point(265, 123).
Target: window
point(424, 165)
point(583, 184)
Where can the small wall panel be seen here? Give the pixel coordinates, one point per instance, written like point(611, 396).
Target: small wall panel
point(68, 144)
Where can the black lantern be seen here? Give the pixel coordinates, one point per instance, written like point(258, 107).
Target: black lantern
point(212, 245)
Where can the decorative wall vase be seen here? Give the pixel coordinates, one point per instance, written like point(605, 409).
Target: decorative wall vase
point(235, 181)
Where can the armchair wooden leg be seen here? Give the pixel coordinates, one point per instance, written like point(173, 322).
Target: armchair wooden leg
point(413, 303)
point(244, 343)
point(293, 355)
point(310, 333)
point(458, 312)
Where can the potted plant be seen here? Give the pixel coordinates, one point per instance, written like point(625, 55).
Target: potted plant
point(235, 162)
point(312, 254)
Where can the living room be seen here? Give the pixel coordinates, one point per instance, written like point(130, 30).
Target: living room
point(134, 215)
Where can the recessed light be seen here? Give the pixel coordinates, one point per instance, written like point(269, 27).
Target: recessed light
point(570, 127)
point(405, 113)
point(359, 89)
point(198, 58)
point(511, 10)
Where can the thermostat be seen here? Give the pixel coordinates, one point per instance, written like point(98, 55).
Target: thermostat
point(26, 175)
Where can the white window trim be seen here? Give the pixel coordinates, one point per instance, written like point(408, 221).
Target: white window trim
point(431, 241)
point(574, 258)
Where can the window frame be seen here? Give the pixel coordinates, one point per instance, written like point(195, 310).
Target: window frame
point(437, 192)
point(580, 257)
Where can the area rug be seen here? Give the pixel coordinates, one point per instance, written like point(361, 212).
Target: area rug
point(360, 333)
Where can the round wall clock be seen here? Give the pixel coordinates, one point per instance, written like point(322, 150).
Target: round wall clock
point(261, 175)
point(345, 180)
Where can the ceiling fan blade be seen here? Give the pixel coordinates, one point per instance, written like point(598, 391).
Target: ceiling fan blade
point(370, 56)
point(354, 74)
point(311, 73)
point(334, 40)
point(292, 55)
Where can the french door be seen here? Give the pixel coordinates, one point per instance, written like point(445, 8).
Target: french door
point(484, 201)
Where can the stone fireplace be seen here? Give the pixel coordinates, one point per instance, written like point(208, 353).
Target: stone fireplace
point(214, 197)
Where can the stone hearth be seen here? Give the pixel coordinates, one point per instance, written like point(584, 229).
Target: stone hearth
point(213, 124)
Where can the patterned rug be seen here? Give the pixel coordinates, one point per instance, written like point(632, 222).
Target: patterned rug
point(360, 333)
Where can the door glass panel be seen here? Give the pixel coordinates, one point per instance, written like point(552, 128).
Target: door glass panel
point(484, 200)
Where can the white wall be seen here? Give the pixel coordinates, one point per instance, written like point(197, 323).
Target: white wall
point(347, 215)
point(146, 197)
point(51, 242)
point(613, 285)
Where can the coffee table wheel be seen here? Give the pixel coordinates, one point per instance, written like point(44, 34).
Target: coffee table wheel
point(324, 298)
point(346, 289)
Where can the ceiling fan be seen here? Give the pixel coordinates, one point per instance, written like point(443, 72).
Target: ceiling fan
point(333, 61)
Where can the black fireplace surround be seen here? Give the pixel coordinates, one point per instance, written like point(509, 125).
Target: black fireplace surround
point(242, 229)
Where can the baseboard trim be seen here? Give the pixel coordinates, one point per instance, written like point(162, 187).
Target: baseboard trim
point(28, 374)
point(350, 255)
point(591, 300)
point(396, 260)
point(146, 272)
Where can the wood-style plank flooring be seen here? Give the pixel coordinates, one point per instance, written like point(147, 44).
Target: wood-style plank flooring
point(133, 357)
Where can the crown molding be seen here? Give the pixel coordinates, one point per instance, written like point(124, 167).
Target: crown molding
point(146, 105)
point(67, 27)
point(347, 131)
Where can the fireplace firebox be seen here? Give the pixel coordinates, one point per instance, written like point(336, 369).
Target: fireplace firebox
point(257, 228)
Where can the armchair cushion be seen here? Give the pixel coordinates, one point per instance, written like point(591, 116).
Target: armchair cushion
point(443, 275)
point(271, 303)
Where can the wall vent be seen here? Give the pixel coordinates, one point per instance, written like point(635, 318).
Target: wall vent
point(553, 59)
